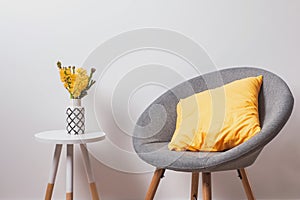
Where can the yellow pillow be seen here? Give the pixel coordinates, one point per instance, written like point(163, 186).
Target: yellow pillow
point(218, 119)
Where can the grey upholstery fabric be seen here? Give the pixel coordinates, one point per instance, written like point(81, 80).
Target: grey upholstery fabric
point(155, 127)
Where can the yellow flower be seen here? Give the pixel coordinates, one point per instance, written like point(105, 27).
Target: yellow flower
point(62, 75)
point(68, 78)
point(72, 79)
point(80, 83)
point(66, 85)
point(76, 81)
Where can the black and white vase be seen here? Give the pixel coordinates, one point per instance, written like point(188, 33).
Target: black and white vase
point(75, 118)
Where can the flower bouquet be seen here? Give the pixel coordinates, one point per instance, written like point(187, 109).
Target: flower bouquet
point(77, 82)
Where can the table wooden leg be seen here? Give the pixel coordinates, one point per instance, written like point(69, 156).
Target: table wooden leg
point(53, 171)
point(89, 172)
point(69, 172)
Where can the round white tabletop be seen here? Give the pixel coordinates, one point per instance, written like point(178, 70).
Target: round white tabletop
point(62, 137)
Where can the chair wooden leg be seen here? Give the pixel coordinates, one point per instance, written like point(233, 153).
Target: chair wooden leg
point(247, 188)
point(194, 186)
point(206, 186)
point(158, 174)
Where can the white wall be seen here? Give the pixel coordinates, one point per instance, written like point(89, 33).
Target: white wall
point(35, 34)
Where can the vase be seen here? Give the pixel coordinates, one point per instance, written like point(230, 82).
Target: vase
point(75, 118)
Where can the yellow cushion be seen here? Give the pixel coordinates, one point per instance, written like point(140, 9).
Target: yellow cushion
point(218, 119)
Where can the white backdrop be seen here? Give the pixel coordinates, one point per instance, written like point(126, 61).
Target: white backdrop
point(35, 34)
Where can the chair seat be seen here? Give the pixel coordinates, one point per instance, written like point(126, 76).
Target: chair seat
point(158, 155)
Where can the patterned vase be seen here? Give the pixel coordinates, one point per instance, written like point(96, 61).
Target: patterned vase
point(75, 118)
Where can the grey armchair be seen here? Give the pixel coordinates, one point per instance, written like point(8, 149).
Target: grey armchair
point(155, 127)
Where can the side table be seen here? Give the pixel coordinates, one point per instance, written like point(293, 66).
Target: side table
point(59, 138)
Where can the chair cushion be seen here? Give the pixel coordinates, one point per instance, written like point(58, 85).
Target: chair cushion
point(218, 119)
